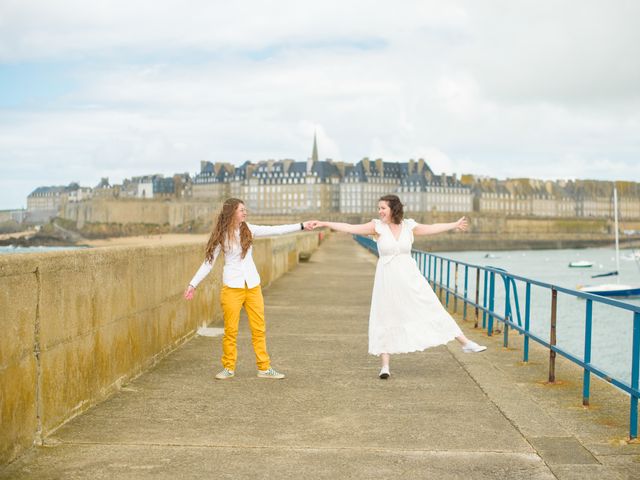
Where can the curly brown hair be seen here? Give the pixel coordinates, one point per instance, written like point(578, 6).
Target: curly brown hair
point(223, 230)
point(397, 209)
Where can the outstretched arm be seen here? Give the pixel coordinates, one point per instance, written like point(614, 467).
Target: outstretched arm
point(422, 229)
point(268, 230)
point(362, 229)
point(202, 272)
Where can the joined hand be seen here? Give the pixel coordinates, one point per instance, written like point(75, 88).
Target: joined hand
point(310, 225)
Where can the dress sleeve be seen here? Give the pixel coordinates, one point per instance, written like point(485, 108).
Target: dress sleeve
point(377, 225)
point(411, 223)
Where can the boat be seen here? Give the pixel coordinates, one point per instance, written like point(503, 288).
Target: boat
point(608, 274)
point(581, 264)
point(613, 289)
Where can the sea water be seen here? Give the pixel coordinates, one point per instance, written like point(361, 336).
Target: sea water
point(17, 249)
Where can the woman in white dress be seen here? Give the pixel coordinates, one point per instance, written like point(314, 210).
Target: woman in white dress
point(406, 315)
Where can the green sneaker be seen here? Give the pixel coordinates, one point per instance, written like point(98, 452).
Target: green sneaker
point(270, 373)
point(224, 374)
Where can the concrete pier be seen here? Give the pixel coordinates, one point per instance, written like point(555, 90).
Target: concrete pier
point(442, 414)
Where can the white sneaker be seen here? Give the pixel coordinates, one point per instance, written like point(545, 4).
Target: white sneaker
point(384, 373)
point(473, 347)
point(270, 373)
point(224, 374)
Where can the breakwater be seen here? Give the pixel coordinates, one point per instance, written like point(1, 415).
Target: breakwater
point(77, 325)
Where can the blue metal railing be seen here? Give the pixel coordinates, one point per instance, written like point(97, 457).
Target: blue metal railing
point(432, 267)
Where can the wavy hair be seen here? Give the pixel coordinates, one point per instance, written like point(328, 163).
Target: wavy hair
point(396, 207)
point(223, 230)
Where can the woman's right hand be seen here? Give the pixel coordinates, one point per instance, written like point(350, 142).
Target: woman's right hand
point(188, 293)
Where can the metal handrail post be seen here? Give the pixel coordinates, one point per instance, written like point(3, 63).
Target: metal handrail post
point(492, 292)
point(635, 374)
point(435, 273)
point(447, 290)
point(441, 275)
point(466, 285)
point(586, 374)
point(507, 311)
point(477, 296)
point(527, 320)
point(485, 298)
point(552, 336)
point(424, 264)
point(455, 288)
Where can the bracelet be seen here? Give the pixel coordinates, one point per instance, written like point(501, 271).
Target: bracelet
point(301, 226)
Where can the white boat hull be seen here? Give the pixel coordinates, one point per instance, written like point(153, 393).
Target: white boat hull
point(581, 264)
point(611, 290)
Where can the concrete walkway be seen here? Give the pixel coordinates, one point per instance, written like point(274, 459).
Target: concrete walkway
point(442, 415)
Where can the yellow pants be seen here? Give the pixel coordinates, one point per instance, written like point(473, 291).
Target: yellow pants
point(233, 299)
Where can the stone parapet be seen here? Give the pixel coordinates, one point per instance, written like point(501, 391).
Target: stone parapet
point(77, 325)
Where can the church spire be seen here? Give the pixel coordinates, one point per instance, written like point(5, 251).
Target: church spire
point(314, 155)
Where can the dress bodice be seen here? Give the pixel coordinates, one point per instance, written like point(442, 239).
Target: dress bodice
point(388, 245)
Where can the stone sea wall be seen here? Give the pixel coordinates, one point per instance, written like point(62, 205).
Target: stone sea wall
point(76, 325)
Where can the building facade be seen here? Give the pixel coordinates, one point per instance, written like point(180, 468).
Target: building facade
point(50, 198)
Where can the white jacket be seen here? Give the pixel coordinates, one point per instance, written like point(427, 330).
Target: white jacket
point(238, 271)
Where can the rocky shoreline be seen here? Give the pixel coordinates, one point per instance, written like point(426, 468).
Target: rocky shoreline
point(37, 241)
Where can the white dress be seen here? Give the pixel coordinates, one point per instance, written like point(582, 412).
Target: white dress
point(406, 315)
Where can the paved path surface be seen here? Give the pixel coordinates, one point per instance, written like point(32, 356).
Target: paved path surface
point(442, 415)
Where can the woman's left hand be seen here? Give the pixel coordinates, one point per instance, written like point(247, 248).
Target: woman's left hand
point(462, 224)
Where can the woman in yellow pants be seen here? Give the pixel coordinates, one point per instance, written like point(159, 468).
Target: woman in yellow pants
point(241, 282)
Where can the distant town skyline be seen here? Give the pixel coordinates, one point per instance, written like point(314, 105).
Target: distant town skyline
point(517, 89)
point(319, 188)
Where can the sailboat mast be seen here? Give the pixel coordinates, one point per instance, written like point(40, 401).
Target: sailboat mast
point(615, 216)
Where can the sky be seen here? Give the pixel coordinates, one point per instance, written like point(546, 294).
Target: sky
point(511, 88)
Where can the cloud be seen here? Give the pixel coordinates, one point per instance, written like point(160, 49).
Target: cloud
point(75, 28)
point(576, 53)
point(495, 88)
